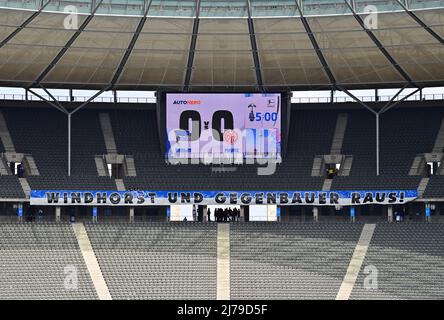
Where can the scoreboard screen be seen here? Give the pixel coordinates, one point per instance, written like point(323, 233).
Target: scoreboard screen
point(219, 125)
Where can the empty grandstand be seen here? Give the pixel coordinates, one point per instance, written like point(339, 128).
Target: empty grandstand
point(164, 149)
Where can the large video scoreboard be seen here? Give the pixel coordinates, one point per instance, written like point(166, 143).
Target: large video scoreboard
point(217, 125)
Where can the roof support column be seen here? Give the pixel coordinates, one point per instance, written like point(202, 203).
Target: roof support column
point(187, 80)
point(257, 63)
point(315, 45)
point(391, 104)
point(381, 48)
point(69, 124)
point(48, 102)
point(24, 24)
point(62, 52)
point(377, 143)
point(69, 144)
point(420, 22)
point(54, 99)
point(118, 73)
point(57, 105)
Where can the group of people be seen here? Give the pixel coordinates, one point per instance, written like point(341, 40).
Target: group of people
point(225, 215)
point(332, 172)
point(20, 171)
point(398, 215)
point(34, 214)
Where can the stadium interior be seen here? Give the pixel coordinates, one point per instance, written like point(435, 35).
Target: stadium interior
point(56, 143)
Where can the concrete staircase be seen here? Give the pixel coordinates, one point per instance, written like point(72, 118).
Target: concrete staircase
point(108, 134)
point(102, 169)
point(30, 165)
point(327, 184)
point(126, 160)
point(356, 262)
point(130, 167)
point(4, 169)
point(120, 185)
point(346, 166)
point(338, 137)
point(422, 186)
point(439, 142)
point(419, 163)
point(10, 153)
point(417, 166)
point(25, 186)
point(223, 261)
point(317, 164)
point(335, 154)
point(5, 136)
point(91, 261)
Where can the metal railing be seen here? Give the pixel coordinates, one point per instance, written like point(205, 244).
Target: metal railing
point(222, 8)
point(383, 98)
point(31, 97)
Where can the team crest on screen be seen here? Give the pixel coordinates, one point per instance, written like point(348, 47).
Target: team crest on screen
point(231, 136)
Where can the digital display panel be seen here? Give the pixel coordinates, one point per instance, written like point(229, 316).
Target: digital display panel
point(216, 125)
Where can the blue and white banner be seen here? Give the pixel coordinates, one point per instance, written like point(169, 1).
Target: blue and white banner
point(166, 198)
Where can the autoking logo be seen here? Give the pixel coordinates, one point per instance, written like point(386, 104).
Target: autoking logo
point(182, 102)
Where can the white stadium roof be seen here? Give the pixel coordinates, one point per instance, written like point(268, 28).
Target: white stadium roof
point(221, 45)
